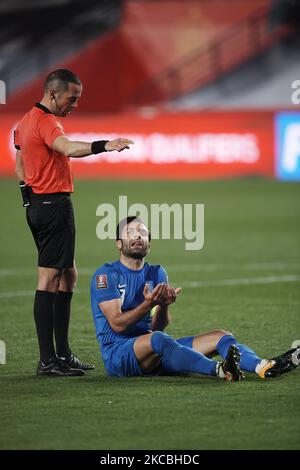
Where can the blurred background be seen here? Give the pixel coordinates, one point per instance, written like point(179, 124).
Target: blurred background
point(206, 88)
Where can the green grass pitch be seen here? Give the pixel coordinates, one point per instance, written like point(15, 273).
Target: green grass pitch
point(251, 237)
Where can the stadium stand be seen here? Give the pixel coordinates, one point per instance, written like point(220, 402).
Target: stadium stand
point(232, 33)
point(153, 51)
point(261, 83)
point(35, 35)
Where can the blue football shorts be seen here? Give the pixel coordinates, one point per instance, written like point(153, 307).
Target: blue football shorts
point(121, 361)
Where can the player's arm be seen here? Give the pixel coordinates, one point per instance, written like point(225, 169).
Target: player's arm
point(19, 166)
point(120, 321)
point(161, 317)
point(77, 149)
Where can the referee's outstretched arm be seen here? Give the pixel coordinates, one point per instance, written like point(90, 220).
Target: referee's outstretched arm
point(78, 149)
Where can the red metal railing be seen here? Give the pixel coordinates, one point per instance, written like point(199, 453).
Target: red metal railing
point(241, 42)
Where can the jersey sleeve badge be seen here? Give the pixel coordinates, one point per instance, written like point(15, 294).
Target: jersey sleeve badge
point(101, 281)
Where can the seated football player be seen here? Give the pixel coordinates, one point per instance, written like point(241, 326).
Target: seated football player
point(132, 341)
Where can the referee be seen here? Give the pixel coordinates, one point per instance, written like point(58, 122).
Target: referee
point(44, 170)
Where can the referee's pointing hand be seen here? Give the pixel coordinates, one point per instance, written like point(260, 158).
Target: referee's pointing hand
point(118, 144)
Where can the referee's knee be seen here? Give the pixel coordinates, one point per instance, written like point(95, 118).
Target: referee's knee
point(68, 279)
point(49, 279)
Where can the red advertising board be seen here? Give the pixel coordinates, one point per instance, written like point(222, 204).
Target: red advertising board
point(167, 145)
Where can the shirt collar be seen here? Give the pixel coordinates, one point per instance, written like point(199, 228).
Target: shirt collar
point(43, 108)
point(125, 268)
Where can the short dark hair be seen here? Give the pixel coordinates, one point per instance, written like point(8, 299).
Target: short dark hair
point(128, 221)
point(60, 79)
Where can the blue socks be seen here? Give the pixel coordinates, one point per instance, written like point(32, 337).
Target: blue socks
point(249, 358)
point(177, 358)
point(180, 359)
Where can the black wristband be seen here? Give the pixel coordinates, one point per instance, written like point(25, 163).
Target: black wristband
point(99, 146)
point(25, 192)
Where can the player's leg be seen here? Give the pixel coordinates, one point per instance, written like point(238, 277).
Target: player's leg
point(62, 312)
point(157, 347)
point(218, 342)
point(281, 364)
point(205, 343)
point(249, 360)
point(148, 360)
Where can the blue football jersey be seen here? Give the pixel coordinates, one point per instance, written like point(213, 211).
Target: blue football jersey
point(116, 281)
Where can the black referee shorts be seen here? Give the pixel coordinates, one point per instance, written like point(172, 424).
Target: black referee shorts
point(51, 221)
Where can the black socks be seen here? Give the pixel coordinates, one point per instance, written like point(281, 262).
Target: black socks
point(43, 316)
point(52, 312)
point(62, 308)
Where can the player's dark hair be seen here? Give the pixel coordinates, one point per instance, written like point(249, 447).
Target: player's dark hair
point(128, 221)
point(60, 79)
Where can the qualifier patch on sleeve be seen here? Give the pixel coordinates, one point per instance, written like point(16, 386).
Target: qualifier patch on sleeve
point(101, 281)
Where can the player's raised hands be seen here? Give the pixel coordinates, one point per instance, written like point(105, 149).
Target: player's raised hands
point(171, 295)
point(163, 294)
point(118, 144)
point(157, 296)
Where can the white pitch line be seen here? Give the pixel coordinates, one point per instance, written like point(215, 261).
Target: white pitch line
point(231, 267)
point(242, 281)
point(17, 272)
point(17, 293)
point(211, 267)
point(190, 284)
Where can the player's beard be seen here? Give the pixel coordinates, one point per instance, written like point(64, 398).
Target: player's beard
point(134, 252)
